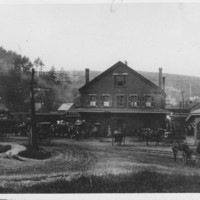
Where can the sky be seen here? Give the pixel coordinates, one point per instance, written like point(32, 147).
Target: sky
point(147, 35)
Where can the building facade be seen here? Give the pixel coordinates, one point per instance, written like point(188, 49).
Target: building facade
point(120, 97)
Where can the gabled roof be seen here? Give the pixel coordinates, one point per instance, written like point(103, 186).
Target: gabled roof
point(196, 112)
point(128, 69)
point(193, 113)
point(195, 107)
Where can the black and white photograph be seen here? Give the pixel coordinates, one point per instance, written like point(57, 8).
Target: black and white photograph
point(99, 97)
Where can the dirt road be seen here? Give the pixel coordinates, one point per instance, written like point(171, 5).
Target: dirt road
point(92, 156)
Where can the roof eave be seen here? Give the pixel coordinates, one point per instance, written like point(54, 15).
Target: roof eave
point(121, 111)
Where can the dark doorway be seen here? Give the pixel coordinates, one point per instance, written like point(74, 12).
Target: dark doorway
point(119, 123)
point(198, 130)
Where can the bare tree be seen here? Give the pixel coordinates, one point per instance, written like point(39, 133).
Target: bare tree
point(39, 64)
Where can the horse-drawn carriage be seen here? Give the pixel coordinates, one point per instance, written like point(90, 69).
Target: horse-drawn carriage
point(118, 137)
point(149, 135)
point(159, 136)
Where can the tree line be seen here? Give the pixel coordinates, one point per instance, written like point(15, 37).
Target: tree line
point(52, 88)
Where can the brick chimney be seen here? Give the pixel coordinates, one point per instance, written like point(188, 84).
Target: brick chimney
point(163, 83)
point(160, 78)
point(87, 76)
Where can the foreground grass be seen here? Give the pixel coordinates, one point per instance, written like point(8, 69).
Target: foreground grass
point(141, 182)
point(4, 148)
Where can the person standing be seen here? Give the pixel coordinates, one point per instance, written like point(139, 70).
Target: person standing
point(175, 147)
point(124, 132)
point(109, 132)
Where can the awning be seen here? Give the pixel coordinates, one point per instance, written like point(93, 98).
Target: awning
point(65, 107)
point(38, 106)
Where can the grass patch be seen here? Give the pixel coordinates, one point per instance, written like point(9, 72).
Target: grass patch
point(144, 181)
point(35, 154)
point(4, 148)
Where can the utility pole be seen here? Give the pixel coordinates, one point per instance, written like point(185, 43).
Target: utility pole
point(183, 101)
point(34, 142)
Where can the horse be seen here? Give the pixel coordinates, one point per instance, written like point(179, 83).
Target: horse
point(184, 149)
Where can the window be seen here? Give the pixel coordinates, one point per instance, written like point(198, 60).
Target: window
point(162, 103)
point(93, 100)
point(120, 100)
point(148, 101)
point(107, 100)
point(119, 80)
point(134, 101)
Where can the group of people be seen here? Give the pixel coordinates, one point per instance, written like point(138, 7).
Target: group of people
point(117, 130)
point(118, 134)
point(69, 130)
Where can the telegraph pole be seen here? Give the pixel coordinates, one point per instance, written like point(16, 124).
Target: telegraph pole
point(34, 142)
point(183, 101)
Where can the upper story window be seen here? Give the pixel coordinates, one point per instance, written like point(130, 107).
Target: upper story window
point(93, 100)
point(148, 101)
point(120, 79)
point(134, 100)
point(120, 100)
point(107, 100)
point(162, 102)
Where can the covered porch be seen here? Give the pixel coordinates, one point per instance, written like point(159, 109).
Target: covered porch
point(194, 117)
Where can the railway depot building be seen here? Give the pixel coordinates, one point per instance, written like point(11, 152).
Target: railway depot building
point(120, 97)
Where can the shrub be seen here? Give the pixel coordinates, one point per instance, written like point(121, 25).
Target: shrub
point(35, 154)
point(4, 148)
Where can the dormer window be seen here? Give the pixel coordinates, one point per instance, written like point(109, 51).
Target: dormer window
point(93, 100)
point(120, 79)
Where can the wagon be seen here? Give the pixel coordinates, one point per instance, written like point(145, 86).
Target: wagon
point(45, 133)
point(170, 137)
